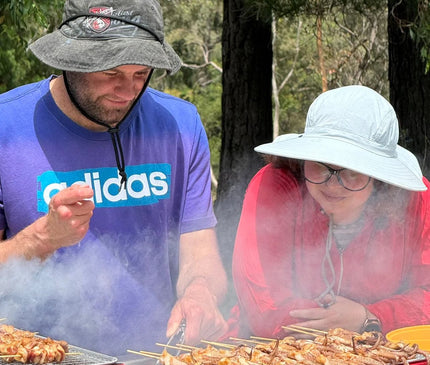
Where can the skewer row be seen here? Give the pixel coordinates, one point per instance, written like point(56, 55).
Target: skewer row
point(336, 346)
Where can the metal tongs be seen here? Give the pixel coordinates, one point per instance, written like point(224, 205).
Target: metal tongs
point(177, 338)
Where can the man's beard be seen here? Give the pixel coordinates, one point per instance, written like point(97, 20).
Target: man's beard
point(78, 87)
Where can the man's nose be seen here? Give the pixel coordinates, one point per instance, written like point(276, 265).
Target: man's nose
point(126, 88)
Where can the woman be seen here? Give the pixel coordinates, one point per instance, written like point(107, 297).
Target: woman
point(334, 230)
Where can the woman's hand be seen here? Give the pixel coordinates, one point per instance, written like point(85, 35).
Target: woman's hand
point(344, 313)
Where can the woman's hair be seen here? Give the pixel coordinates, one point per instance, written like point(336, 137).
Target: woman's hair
point(386, 202)
point(294, 166)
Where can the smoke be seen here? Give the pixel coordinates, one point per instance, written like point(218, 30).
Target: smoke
point(85, 296)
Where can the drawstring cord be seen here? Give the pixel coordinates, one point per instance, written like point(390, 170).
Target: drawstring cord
point(119, 155)
point(341, 272)
point(321, 299)
point(343, 235)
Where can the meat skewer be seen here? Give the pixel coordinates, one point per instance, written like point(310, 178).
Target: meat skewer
point(334, 347)
point(26, 347)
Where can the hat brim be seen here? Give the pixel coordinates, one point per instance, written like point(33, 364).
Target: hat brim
point(90, 55)
point(401, 170)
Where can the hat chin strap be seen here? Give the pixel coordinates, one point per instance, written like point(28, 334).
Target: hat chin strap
point(113, 131)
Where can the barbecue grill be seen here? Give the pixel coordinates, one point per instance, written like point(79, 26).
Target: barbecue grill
point(78, 356)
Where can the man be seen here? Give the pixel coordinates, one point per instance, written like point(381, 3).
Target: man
point(105, 205)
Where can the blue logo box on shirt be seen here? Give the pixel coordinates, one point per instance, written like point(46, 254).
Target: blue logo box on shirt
point(146, 185)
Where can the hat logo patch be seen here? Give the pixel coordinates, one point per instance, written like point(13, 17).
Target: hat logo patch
point(99, 24)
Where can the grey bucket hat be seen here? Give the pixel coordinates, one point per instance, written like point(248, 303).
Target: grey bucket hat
point(356, 128)
point(98, 35)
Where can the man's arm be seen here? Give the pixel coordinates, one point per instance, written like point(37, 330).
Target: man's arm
point(200, 261)
point(201, 287)
point(66, 223)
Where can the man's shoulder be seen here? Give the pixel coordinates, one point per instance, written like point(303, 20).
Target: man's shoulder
point(169, 99)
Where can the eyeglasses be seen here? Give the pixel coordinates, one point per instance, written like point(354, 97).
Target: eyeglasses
point(319, 173)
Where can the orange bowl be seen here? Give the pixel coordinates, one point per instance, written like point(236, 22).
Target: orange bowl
point(419, 335)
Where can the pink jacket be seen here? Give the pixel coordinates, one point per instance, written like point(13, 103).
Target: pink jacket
point(281, 242)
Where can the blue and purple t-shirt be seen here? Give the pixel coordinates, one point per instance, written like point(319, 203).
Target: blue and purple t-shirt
point(127, 265)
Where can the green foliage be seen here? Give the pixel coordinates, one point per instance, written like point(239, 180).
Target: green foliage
point(419, 30)
point(293, 8)
point(355, 52)
point(194, 28)
point(303, 85)
point(21, 21)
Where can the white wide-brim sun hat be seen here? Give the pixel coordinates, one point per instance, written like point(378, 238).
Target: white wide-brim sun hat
point(356, 128)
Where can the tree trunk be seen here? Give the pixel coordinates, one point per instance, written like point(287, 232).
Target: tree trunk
point(320, 48)
point(409, 83)
point(246, 113)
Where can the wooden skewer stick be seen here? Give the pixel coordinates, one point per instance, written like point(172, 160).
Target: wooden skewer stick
point(150, 353)
point(187, 347)
point(73, 353)
point(220, 344)
point(245, 340)
point(144, 354)
point(170, 346)
point(263, 338)
point(308, 329)
point(134, 352)
point(300, 331)
point(2, 319)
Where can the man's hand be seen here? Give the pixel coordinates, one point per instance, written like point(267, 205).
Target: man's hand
point(199, 309)
point(69, 215)
point(201, 287)
point(66, 223)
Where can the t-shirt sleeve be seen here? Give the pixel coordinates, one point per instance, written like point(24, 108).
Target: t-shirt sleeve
point(2, 215)
point(198, 209)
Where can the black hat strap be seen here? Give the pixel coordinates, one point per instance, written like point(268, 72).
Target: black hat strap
point(119, 154)
point(113, 131)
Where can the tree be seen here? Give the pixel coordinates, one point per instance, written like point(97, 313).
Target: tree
point(409, 79)
point(277, 87)
point(246, 111)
